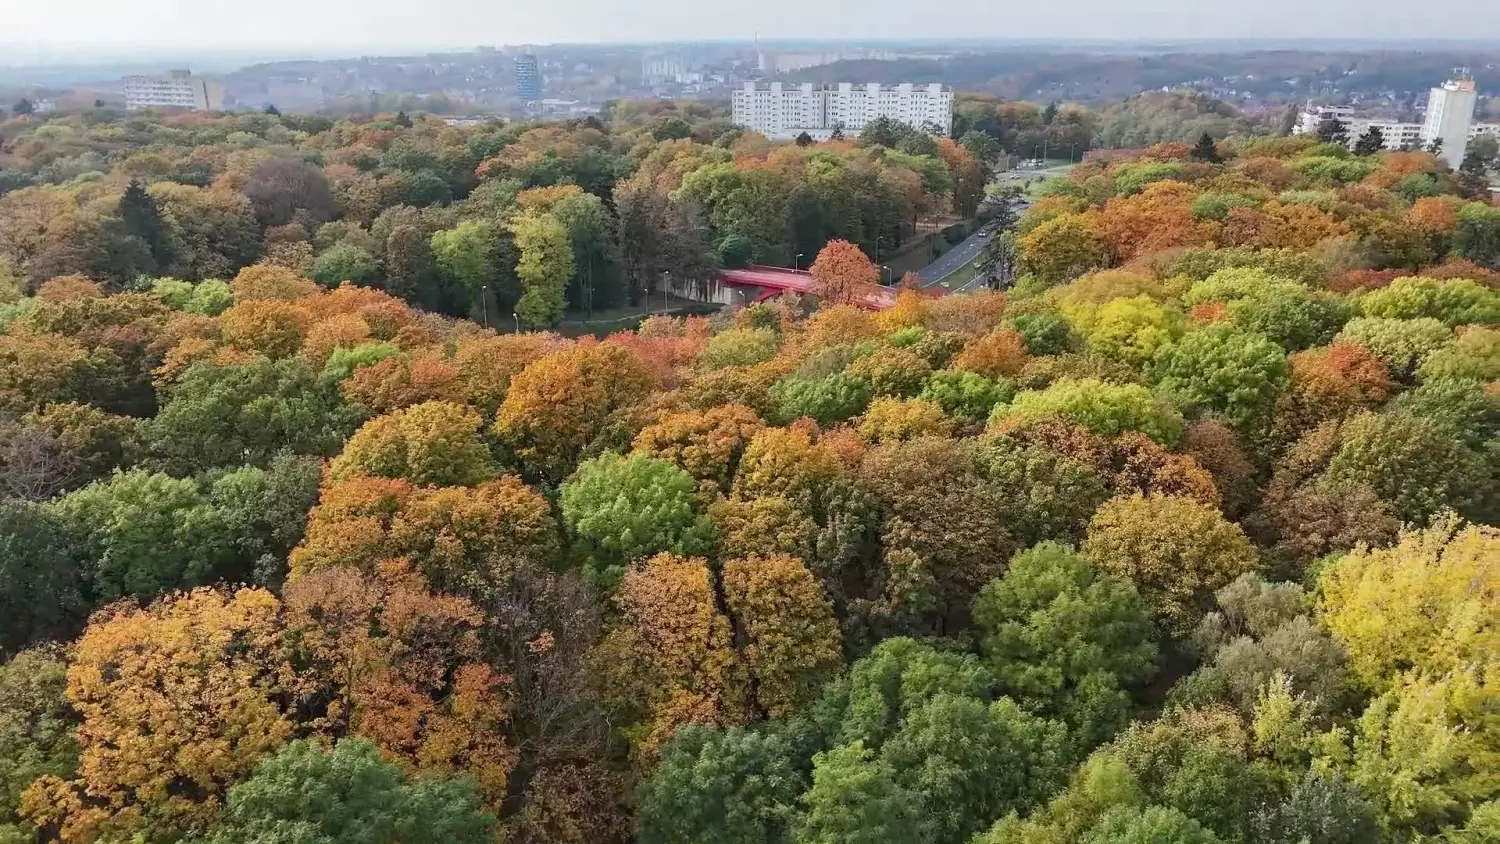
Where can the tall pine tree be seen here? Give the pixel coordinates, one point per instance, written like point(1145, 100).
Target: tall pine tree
point(1332, 130)
point(1371, 142)
point(1474, 177)
point(1206, 150)
point(142, 220)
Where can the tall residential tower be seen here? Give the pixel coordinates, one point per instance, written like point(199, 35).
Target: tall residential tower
point(1450, 114)
point(528, 78)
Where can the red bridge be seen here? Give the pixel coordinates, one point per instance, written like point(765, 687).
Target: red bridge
point(775, 280)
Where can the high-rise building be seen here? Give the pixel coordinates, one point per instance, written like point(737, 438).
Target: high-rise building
point(178, 89)
point(528, 78)
point(1449, 118)
point(1450, 115)
point(786, 111)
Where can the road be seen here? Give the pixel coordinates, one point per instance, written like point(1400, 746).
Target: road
point(954, 258)
point(962, 254)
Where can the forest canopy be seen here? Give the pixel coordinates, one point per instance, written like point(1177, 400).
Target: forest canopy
point(1187, 536)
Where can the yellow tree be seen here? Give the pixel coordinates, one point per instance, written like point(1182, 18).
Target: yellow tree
point(178, 701)
point(1176, 551)
point(791, 639)
point(430, 443)
point(1431, 604)
point(545, 266)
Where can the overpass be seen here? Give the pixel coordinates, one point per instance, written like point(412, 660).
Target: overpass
point(773, 281)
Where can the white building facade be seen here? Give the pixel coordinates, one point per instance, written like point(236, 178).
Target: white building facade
point(783, 112)
point(1449, 117)
point(178, 89)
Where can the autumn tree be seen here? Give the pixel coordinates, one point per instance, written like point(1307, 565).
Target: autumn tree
point(401, 666)
point(559, 403)
point(842, 272)
point(790, 638)
point(1370, 599)
point(146, 763)
point(672, 659)
point(430, 443)
point(1176, 551)
point(706, 445)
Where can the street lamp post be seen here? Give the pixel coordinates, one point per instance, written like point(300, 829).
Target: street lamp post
point(797, 262)
point(518, 321)
point(666, 285)
point(878, 238)
point(888, 274)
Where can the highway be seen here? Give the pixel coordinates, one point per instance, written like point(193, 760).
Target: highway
point(962, 254)
point(954, 258)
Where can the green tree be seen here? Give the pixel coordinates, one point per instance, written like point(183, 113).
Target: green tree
point(246, 413)
point(1223, 369)
point(739, 786)
point(1206, 150)
point(827, 400)
point(40, 583)
point(1066, 641)
point(969, 761)
point(1474, 177)
point(1371, 142)
point(345, 262)
point(140, 534)
point(348, 795)
point(143, 219)
point(854, 799)
point(1106, 409)
point(1478, 235)
point(464, 254)
point(1418, 467)
point(1040, 495)
point(1331, 130)
point(1150, 825)
point(544, 268)
point(36, 731)
point(967, 396)
point(622, 509)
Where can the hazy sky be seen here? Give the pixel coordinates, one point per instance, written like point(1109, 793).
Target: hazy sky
point(146, 24)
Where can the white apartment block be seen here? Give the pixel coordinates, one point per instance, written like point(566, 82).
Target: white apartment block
point(178, 89)
point(1449, 116)
point(783, 112)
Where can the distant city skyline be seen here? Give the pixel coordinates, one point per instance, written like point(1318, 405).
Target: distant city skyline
point(382, 26)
